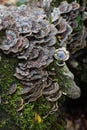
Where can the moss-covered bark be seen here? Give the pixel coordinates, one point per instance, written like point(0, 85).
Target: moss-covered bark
point(10, 119)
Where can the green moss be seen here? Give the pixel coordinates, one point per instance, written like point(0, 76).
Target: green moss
point(10, 119)
point(64, 81)
point(26, 120)
point(20, 2)
point(80, 23)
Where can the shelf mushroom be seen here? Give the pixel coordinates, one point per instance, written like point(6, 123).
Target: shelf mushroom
point(61, 55)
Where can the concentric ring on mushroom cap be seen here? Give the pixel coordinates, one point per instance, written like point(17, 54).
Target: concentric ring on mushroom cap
point(24, 26)
point(75, 6)
point(62, 37)
point(54, 97)
point(61, 54)
point(51, 89)
point(65, 7)
point(61, 25)
point(12, 89)
point(55, 14)
point(9, 41)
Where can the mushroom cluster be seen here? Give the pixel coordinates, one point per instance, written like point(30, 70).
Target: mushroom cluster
point(62, 17)
point(69, 11)
point(31, 38)
point(77, 41)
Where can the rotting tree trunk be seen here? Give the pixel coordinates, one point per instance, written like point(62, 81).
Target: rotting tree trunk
point(41, 106)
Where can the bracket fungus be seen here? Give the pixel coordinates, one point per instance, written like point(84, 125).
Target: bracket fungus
point(31, 38)
point(62, 17)
point(61, 55)
point(77, 41)
point(12, 89)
